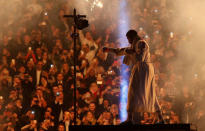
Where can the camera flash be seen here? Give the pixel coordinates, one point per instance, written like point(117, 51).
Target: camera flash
point(29, 48)
point(195, 76)
point(141, 28)
point(155, 10)
point(171, 34)
point(1, 97)
point(13, 61)
point(32, 112)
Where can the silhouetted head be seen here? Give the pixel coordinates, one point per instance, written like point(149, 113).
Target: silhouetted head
point(132, 35)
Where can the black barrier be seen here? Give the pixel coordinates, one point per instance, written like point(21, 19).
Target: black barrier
point(156, 127)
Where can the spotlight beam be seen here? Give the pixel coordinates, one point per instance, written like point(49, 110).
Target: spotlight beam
point(123, 28)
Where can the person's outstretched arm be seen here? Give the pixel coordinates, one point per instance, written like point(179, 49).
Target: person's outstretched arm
point(118, 51)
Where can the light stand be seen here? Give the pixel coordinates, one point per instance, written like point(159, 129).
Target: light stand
point(79, 23)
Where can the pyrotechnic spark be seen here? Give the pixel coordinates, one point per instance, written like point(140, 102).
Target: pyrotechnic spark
point(95, 3)
point(99, 4)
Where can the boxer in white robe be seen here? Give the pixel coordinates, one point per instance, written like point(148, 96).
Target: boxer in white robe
point(141, 93)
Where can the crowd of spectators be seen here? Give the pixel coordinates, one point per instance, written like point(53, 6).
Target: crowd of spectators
point(36, 69)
